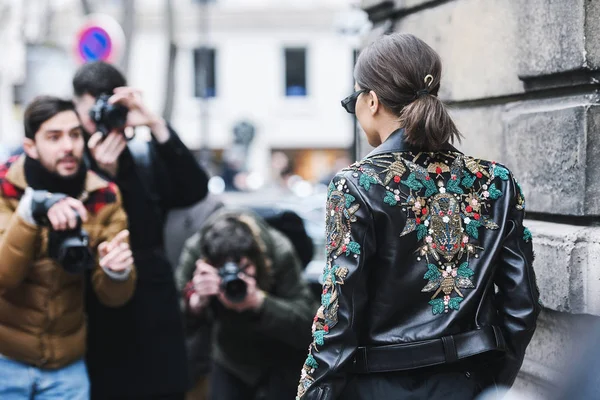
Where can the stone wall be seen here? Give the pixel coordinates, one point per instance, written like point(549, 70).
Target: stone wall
point(521, 78)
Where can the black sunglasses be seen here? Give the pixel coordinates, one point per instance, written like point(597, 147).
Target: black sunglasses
point(349, 103)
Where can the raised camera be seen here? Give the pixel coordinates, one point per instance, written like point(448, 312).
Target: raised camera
point(108, 117)
point(234, 288)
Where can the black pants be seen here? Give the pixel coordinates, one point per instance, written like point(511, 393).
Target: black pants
point(460, 381)
point(226, 386)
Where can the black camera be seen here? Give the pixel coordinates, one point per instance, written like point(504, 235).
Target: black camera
point(108, 116)
point(234, 288)
point(70, 249)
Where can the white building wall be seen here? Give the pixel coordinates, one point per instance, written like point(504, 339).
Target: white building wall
point(249, 37)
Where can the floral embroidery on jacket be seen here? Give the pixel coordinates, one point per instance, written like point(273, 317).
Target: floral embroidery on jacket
point(446, 197)
point(340, 211)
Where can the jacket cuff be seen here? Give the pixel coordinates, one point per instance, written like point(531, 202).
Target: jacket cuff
point(24, 209)
point(119, 276)
point(173, 147)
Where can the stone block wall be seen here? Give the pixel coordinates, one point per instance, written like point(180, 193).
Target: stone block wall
point(522, 81)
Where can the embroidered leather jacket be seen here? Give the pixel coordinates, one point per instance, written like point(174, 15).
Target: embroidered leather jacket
point(416, 242)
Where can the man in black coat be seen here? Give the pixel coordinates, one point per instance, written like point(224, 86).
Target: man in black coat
point(138, 351)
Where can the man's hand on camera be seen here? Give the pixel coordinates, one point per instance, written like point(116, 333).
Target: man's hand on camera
point(116, 255)
point(63, 214)
point(206, 283)
point(106, 151)
point(254, 296)
point(139, 114)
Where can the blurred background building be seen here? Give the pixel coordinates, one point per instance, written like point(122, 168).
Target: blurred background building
point(522, 79)
point(276, 68)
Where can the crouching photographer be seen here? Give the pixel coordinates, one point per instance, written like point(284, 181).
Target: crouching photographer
point(244, 278)
point(58, 222)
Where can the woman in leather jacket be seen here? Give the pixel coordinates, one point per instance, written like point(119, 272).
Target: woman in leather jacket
point(419, 235)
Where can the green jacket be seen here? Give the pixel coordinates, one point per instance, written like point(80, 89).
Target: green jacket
point(250, 344)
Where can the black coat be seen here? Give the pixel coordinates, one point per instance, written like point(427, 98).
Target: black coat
point(138, 350)
point(416, 242)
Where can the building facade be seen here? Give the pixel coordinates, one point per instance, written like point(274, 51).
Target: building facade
point(281, 66)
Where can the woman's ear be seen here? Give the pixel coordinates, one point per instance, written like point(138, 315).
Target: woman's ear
point(373, 102)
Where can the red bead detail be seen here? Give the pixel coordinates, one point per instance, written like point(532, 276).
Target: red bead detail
point(315, 319)
point(462, 245)
point(397, 179)
point(427, 178)
point(476, 216)
point(479, 175)
point(344, 248)
point(438, 170)
point(325, 291)
point(424, 211)
point(418, 220)
point(433, 246)
point(441, 213)
point(337, 209)
point(456, 246)
point(469, 209)
point(453, 177)
point(326, 328)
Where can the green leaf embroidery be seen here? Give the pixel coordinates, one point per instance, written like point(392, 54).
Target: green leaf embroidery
point(352, 247)
point(465, 271)
point(454, 303)
point(421, 231)
point(431, 187)
point(527, 236)
point(319, 337)
point(412, 182)
point(468, 180)
point(311, 362)
point(390, 199)
point(326, 299)
point(501, 172)
point(437, 306)
point(366, 181)
point(494, 192)
point(331, 188)
point(349, 200)
point(473, 229)
point(432, 272)
point(453, 186)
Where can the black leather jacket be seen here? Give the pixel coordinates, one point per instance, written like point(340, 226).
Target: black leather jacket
point(416, 242)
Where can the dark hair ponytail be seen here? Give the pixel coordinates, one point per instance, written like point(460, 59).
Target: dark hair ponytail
point(405, 74)
point(427, 123)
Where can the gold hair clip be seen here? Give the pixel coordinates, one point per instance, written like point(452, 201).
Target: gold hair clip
point(430, 79)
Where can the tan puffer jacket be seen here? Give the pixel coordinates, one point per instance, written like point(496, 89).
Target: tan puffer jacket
point(42, 319)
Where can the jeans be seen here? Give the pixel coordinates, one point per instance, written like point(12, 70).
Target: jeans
point(20, 381)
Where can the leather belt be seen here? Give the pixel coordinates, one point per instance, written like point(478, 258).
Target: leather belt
point(407, 356)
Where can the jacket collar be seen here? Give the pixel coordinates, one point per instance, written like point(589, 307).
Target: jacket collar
point(16, 176)
point(396, 143)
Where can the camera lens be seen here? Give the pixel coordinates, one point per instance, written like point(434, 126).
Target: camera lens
point(235, 290)
point(70, 249)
